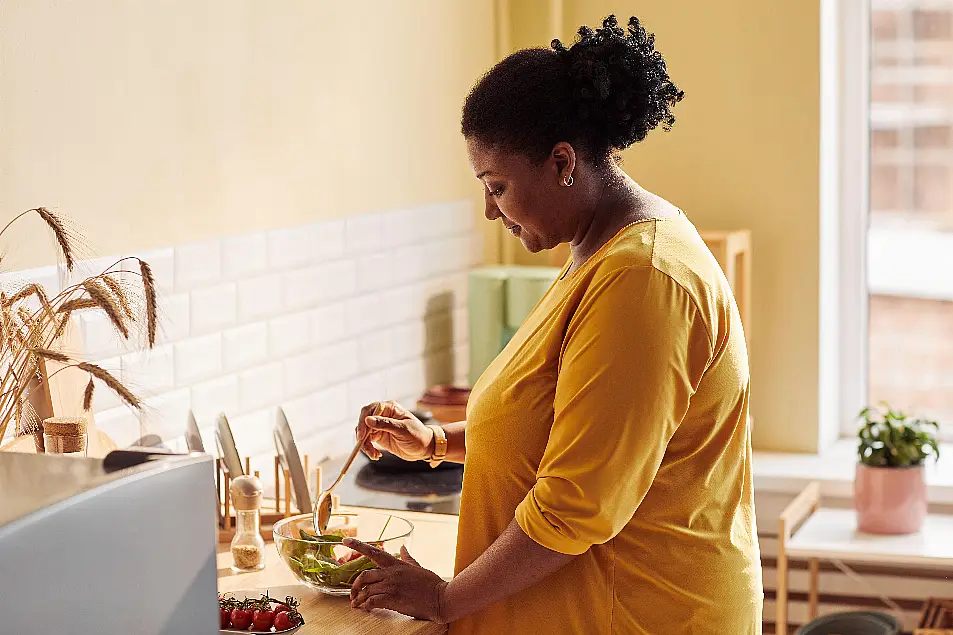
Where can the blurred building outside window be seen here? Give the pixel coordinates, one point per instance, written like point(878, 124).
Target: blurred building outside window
point(910, 233)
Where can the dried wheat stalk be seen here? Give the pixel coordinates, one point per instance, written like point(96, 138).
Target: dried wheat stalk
point(29, 337)
point(88, 395)
point(110, 306)
point(120, 294)
point(104, 376)
point(149, 286)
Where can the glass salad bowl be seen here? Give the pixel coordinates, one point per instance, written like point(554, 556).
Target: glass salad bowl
point(323, 562)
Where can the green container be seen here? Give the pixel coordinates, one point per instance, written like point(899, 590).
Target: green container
point(500, 299)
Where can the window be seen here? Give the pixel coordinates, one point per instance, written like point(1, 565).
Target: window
point(908, 225)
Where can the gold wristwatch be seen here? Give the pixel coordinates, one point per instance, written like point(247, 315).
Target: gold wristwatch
point(439, 446)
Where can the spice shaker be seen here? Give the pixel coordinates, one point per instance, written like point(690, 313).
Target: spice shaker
point(65, 435)
point(248, 547)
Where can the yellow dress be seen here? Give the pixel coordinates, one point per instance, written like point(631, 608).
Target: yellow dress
point(614, 426)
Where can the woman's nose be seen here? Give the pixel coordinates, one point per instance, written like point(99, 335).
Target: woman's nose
point(492, 212)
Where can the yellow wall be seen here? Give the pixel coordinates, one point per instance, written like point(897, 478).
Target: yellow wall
point(154, 123)
point(744, 154)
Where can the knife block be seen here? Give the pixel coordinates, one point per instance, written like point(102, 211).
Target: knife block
point(282, 501)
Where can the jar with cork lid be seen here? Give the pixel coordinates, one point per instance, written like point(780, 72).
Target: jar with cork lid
point(248, 547)
point(65, 435)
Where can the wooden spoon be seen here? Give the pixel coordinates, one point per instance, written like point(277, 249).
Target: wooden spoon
point(323, 503)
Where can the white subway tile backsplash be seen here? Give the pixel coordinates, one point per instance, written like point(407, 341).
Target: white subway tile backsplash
point(331, 240)
point(301, 413)
point(409, 263)
point(409, 340)
point(434, 259)
point(401, 304)
point(476, 251)
point(406, 379)
point(198, 359)
point(47, 277)
point(331, 407)
point(303, 288)
point(425, 219)
point(292, 247)
point(338, 362)
point(103, 397)
point(120, 423)
point(162, 264)
point(213, 308)
point(461, 330)
point(365, 314)
point(211, 397)
point(244, 256)
point(301, 376)
point(261, 386)
point(457, 253)
point(174, 318)
point(464, 217)
point(289, 334)
point(149, 372)
point(461, 365)
point(329, 324)
point(367, 388)
point(459, 285)
point(165, 415)
point(375, 271)
point(399, 228)
point(197, 265)
point(99, 337)
point(260, 297)
point(245, 346)
point(253, 433)
point(337, 280)
point(364, 234)
point(320, 318)
point(444, 221)
point(376, 349)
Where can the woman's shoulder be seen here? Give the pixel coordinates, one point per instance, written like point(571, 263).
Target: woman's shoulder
point(669, 245)
point(671, 249)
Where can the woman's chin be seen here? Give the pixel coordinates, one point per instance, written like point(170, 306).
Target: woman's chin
point(530, 245)
point(534, 246)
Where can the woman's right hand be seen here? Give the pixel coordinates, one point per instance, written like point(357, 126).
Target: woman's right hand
point(393, 428)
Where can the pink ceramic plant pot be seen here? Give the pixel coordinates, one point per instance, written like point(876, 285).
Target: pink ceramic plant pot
point(890, 500)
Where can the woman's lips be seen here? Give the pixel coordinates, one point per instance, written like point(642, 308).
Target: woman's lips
point(514, 229)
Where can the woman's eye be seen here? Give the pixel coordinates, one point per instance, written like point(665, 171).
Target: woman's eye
point(496, 191)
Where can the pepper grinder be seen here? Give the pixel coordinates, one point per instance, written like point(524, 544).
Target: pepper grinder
point(248, 547)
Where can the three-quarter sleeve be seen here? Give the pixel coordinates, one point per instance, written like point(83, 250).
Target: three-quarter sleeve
point(632, 357)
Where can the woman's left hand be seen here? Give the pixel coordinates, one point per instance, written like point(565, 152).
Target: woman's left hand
point(398, 584)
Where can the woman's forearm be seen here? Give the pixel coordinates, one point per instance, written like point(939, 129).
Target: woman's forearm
point(456, 441)
point(495, 576)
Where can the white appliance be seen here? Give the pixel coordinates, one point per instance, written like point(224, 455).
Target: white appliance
point(87, 546)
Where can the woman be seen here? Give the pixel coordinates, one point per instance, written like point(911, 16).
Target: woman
point(607, 449)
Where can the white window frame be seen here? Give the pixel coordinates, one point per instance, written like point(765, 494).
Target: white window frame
point(845, 282)
point(844, 216)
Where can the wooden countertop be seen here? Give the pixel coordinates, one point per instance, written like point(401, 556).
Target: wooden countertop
point(433, 545)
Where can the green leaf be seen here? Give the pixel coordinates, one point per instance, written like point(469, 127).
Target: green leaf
point(891, 438)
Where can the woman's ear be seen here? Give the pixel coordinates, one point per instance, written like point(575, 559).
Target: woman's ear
point(563, 159)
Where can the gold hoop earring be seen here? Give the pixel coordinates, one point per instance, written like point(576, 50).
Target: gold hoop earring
point(568, 180)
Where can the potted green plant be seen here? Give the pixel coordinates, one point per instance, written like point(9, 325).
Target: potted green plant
point(890, 493)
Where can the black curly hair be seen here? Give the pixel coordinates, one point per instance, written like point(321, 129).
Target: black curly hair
point(602, 94)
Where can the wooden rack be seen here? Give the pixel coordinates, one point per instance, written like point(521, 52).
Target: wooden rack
point(936, 618)
point(282, 500)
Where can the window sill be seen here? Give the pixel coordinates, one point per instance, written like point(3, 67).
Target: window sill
point(788, 473)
